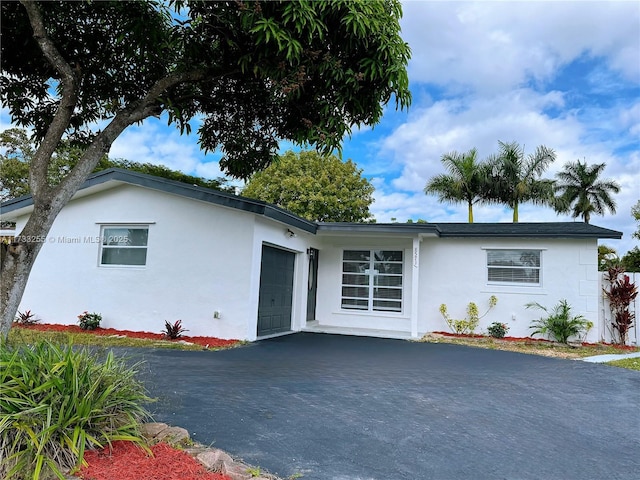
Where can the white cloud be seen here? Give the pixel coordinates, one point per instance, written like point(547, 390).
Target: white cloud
point(492, 46)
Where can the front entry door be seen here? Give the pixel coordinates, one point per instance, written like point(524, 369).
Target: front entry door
point(312, 288)
point(276, 291)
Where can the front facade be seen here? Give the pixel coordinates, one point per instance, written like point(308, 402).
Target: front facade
point(141, 250)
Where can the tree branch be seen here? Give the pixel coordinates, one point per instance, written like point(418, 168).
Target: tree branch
point(62, 117)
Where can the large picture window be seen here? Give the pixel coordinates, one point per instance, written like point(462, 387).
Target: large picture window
point(372, 280)
point(124, 245)
point(513, 266)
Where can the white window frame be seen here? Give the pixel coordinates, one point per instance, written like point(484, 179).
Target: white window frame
point(120, 226)
point(515, 283)
point(371, 286)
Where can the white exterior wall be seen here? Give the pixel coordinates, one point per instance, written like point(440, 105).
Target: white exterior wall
point(454, 272)
point(328, 311)
point(198, 261)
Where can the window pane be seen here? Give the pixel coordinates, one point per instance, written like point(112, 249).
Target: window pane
point(388, 280)
point(524, 258)
point(359, 292)
point(514, 275)
point(387, 256)
point(361, 255)
point(388, 306)
point(119, 236)
point(355, 304)
point(388, 293)
point(388, 267)
point(352, 279)
point(124, 256)
point(355, 267)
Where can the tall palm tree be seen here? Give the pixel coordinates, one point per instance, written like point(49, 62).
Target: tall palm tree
point(582, 193)
point(463, 184)
point(515, 178)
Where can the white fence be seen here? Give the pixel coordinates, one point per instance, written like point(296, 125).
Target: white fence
point(605, 330)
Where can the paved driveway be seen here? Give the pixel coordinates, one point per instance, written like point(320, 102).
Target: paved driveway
point(333, 407)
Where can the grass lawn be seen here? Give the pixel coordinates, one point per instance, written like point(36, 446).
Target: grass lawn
point(25, 335)
point(540, 347)
point(630, 363)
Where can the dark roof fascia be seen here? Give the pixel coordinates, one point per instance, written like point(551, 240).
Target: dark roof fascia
point(380, 228)
point(528, 230)
point(477, 230)
point(183, 189)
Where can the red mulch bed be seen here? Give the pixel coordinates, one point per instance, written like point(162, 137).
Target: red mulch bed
point(126, 461)
point(208, 342)
point(530, 339)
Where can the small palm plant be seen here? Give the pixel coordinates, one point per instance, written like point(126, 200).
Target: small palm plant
point(559, 325)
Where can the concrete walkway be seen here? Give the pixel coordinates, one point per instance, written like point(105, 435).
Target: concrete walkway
point(611, 357)
point(332, 407)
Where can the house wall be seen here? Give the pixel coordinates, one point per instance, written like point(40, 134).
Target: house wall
point(328, 311)
point(453, 272)
point(200, 259)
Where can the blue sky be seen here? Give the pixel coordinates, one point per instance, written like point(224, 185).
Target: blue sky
point(562, 74)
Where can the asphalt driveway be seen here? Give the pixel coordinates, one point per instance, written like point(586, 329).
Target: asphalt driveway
point(335, 407)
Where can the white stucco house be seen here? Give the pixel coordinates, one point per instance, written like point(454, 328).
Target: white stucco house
point(141, 250)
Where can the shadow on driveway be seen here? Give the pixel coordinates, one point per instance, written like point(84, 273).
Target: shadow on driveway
point(337, 407)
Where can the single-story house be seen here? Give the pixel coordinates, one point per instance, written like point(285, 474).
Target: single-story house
point(141, 250)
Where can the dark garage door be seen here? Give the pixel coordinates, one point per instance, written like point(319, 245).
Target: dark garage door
point(276, 291)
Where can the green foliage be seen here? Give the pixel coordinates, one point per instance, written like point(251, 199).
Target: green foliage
point(635, 213)
point(515, 178)
point(607, 257)
point(315, 187)
point(465, 183)
point(257, 72)
point(559, 325)
point(58, 401)
point(89, 321)
point(174, 330)
point(621, 293)
point(14, 165)
point(26, 318)
point(581, 192)
point(497, 330)
point(631, 260)
point(470, 323)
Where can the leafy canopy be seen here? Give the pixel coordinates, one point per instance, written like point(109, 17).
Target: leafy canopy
point(19, 150)
point(250, 73)
point(465, 183)
point(315, 187)
point(582, 192)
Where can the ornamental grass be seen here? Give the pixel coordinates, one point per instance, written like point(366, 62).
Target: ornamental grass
point(58, 401)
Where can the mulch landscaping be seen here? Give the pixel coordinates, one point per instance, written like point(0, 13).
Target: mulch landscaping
point(126, 461)
point(206, 342)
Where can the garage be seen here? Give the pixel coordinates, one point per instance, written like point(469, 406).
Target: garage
point(276, 291)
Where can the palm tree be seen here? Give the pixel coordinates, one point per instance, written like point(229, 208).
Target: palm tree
point(463, 184)
point(515, 178)
point(582, 193)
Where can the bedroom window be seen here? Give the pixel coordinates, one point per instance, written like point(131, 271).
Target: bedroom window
point(513, 266)
point(124, 245)
point(372, 280)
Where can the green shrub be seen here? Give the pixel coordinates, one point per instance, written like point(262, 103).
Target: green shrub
point(560, 325)
point(497, 330)
point(469, 324)
point(89, 321)
point(57, 401)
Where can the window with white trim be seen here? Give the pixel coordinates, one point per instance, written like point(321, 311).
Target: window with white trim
point(372, 280)
point(123, 245)
point(514, 266)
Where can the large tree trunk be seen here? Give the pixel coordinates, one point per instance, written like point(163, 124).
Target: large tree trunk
point(17, 260)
